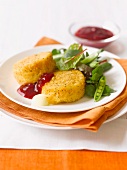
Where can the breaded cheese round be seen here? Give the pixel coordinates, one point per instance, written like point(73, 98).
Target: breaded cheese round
point(29, 69)
point(65, 87)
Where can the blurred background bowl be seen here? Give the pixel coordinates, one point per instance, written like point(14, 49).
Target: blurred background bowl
point(108, 25)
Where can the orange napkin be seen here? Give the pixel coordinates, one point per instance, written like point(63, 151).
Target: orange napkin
point(91, 119)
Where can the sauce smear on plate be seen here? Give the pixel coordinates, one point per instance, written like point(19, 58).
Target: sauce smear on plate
point(32, 89)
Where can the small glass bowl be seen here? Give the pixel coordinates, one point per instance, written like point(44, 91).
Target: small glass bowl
point(109, 25)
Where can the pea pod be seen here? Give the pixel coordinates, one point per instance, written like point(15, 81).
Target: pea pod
point(97, 73)
point(106, 66)
point(100, 89)
point(99, 70)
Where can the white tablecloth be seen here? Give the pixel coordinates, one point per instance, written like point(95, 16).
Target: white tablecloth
point(112, 136)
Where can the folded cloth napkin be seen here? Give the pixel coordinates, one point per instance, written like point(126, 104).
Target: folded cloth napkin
point(91, 119)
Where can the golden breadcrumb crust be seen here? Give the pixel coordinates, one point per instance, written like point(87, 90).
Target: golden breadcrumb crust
point(65, 87)
point(29, 69)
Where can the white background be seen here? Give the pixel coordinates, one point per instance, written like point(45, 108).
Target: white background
point(24, 22)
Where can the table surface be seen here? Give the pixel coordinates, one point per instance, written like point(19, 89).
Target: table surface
point(22, 24)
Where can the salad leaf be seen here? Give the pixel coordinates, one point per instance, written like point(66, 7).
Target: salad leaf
point(87, 54)
point(107, 91)
point(55, 51)
point(70, 58)
point(58, 51)
point(94, 64)
point(90, 90)
point(85, 69)
point(68, 63)
point(91, 57)
point(70, 53)
point(75, 46)
point(73, 50)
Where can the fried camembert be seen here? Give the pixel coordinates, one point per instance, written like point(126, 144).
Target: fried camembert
point(29, 69)
point(64, 87)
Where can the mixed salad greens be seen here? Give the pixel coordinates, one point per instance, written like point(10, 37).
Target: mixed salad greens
point(91, 65)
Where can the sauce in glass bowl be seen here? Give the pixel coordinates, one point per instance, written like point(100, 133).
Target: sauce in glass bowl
point(93, 33)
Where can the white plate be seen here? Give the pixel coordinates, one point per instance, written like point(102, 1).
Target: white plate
point(115, 77)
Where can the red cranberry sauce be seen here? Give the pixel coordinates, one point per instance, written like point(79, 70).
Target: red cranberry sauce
point(32, 89)
point(93, 33)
